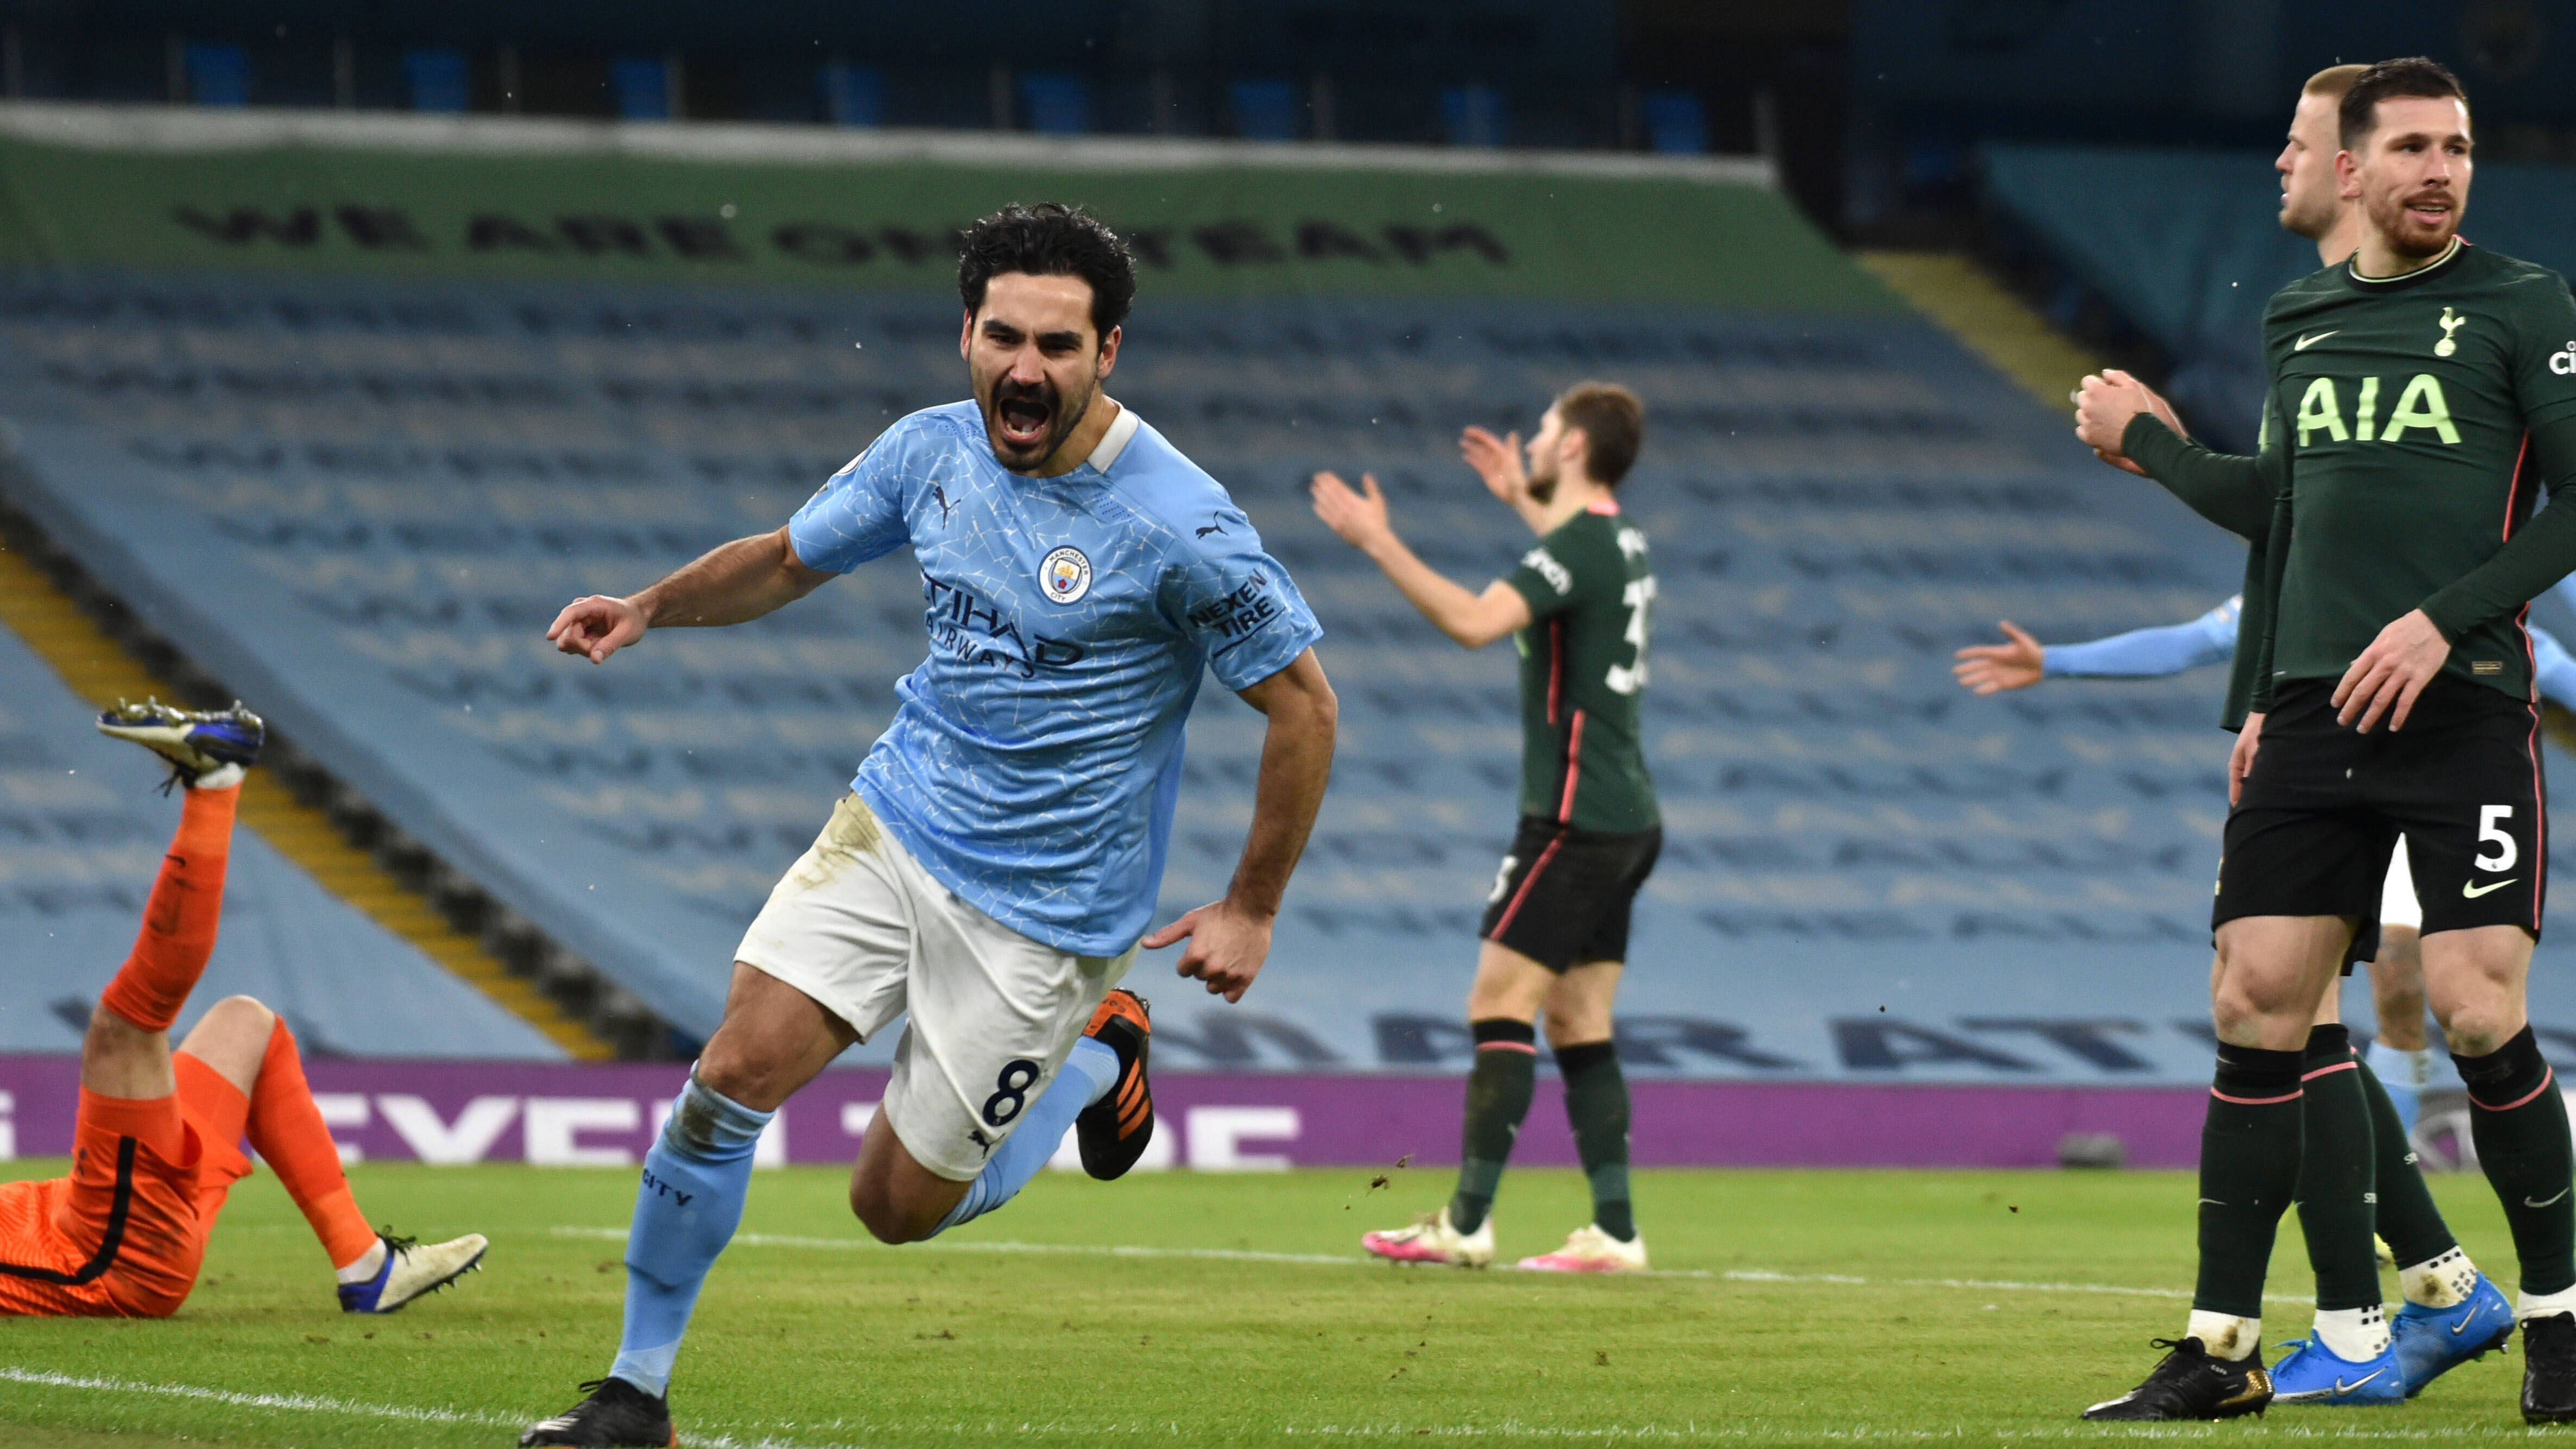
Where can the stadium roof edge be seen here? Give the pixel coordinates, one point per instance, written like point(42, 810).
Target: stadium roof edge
point(181, 130)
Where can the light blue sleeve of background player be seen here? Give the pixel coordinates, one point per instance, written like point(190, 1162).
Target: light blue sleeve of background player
point(857, 515)
point(2552, 669)
point(2150, 653)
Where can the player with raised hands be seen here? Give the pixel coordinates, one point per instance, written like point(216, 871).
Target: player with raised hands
point(1556, 925)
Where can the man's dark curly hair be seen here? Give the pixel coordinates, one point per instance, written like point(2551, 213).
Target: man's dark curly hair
point(1049, 239)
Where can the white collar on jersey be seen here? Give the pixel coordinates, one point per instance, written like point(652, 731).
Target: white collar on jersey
point(1114, 442)
point(2444, 260)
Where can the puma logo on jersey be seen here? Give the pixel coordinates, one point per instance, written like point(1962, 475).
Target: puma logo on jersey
point(2451, 322)
point(2564, 363)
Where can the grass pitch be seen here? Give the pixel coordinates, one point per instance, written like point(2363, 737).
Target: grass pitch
point(1789, 1307)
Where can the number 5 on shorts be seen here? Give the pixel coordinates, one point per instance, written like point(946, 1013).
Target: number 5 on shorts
point(2491, 821)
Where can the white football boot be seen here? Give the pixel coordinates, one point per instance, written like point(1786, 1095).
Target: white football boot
point(1589, 1250)
point(411, 1270)
point(1432, 1240)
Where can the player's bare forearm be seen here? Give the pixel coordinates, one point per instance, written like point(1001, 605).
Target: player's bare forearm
point(1230, 939)
point(1473, 620)
point(742, 580)
point(1296, 763)
point(731, 584)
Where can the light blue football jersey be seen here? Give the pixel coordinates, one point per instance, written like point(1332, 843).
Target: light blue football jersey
point(1035, 758)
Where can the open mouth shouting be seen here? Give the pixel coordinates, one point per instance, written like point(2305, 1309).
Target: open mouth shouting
point(1022, 420)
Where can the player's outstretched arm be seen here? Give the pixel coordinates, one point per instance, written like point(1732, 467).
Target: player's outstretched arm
point(2138, 654)
point(1229, 939)
point(1359, 518)
point(2018, 663)
point(738, 581)
point(1498, 462)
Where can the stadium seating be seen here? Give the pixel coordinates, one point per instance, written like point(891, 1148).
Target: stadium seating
point(82, 830)
point(360, 503)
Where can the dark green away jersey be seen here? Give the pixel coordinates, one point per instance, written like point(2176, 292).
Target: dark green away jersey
point(1583, 673)
point(2420, 417)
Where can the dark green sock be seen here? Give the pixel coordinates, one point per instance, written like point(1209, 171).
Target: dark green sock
point(2335, 1173)
point(2519, 1123)
point(2249, 1169)
point(2412, 1226)
point(1596, 1103)
point(1498, 1097)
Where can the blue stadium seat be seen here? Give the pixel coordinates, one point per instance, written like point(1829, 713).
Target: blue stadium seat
point(641, 86)
point(1473, 115)
point(218, 75)
point(1266, 110)
point(853, 95)
point(438, 79)
point(1056, 104)
point(1676, 123)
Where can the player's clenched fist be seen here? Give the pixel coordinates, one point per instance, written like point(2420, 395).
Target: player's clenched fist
point(1227, 946)
point(597, 626)
point(2105, 403)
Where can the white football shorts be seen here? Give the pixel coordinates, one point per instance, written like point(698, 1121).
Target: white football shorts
point(859, 926)
point(2397, 903)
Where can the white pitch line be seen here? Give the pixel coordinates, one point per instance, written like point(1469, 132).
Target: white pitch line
point(1171, 1429)
point(1111, 1250)
point(1333, 1260)
point(301, 1403)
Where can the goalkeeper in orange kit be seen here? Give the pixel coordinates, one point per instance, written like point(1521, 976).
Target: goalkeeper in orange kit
point(159, 1137)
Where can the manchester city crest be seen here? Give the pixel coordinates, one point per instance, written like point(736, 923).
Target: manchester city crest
point(1065, 575)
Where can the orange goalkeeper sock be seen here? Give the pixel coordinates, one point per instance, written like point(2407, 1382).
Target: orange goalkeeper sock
point(286, 1129)
point(180, 919)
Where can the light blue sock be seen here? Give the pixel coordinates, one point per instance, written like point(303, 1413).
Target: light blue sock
point(1087, 1077)
point(2404, 1074)
point(695, 1180)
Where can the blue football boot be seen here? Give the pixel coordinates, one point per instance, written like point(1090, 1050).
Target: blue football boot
point(2311, 1374)
point(2431, 1342)
point(203, 746)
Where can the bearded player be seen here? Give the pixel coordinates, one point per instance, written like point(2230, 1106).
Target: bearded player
point(157, 1143)
point(2422, 395)
point(1000, 853)
point(1556, 926)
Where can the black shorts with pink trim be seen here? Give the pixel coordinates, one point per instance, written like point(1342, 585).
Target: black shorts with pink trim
point(1563, 896)
point(2324, 806)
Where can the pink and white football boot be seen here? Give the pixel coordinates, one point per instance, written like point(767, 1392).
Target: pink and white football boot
point(1589, 1250)
point(1432, 1240)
